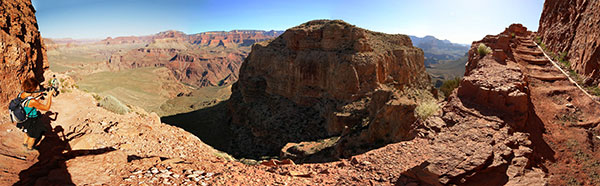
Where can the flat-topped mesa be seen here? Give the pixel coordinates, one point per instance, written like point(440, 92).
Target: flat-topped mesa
point(300, 86)
point(572, 29)
point(22, 52)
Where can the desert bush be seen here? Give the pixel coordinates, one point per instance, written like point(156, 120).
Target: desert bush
point(538, 40)
point(594, 90)
point(483, 50)
point(449, 85)
point(97, 97)
point(112, 104)
point(426, 108)
point(224, 156)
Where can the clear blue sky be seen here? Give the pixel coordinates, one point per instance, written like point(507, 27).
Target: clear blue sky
point(460, 21)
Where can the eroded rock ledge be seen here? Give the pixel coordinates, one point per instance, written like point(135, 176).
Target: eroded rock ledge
point(483, 135)
point(321, 78)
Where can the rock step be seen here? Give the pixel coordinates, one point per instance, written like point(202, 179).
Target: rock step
point(547, 77)
point(523, 38)
point(527, 44)
point(525, 41)
point(541, 68)
point(534, 60)
point(544, 70)
point(528, 51)
point(556, 90)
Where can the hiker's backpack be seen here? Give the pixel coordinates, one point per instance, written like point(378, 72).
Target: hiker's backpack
point(17, 109)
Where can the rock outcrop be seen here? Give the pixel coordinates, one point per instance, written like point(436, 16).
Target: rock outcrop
point(322, 78)
point(573, 27)
point(485, 131)
point(22, 51)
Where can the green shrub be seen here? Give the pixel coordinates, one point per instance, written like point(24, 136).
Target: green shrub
point(112, 104)
point(224, 156)
point(97, 97)
point(449, 85)
point(427, 108)
point(594, 90)
point(483, 50)
point(562, 59)
point(538, 40)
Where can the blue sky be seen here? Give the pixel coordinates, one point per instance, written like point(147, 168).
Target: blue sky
point(460, 21)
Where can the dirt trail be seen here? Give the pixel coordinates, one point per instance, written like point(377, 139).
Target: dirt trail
point(569, 116)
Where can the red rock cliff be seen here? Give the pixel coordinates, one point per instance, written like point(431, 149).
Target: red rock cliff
point(321, 77)
point(573, 26)
point(22, 51)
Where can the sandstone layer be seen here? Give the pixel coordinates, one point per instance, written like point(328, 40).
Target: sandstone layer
point(321, 78)
point(573, 27)
point(204, 59)
point(22, 51)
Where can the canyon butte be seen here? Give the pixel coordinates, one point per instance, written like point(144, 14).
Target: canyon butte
point(338, 105)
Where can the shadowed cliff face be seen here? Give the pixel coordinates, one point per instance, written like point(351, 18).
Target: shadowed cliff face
point(319, 78)
point(22, 53)
point(573, 27)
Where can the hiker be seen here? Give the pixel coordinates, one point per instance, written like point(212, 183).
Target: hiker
point(54, 85)
point(32, 127)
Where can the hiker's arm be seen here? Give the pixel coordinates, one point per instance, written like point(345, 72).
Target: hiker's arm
point(40, 106)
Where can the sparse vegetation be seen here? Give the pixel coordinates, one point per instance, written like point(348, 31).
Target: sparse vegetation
point(449, 85)
point(587, 162)
point(224, 156)
point(483, 50)
point(565, 64)
point(427, 108)
point(569, 118)
point(97, 97)
point(112, 104)
point(572, 182)
point(543, 46)
point(538, 40)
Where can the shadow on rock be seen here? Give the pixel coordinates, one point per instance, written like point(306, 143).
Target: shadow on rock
point(54, 150)
point(210, 124)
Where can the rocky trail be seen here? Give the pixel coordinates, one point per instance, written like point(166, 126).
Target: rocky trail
point(570, 117)
point(89, 145)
